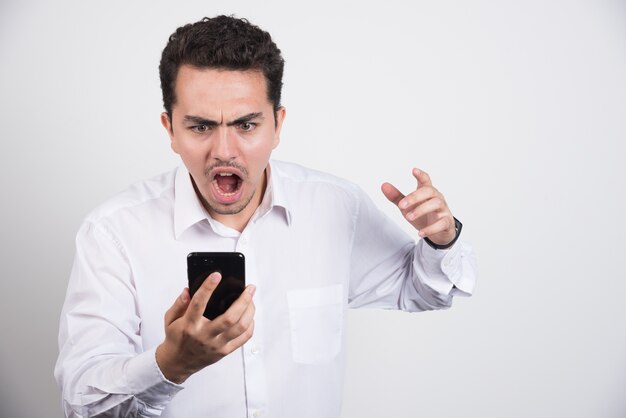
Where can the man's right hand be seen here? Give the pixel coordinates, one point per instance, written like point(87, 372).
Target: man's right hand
point(193, 342)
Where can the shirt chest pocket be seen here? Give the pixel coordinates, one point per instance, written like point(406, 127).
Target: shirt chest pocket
point(316, 322)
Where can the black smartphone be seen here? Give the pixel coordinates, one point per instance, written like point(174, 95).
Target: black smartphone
point(232, 268)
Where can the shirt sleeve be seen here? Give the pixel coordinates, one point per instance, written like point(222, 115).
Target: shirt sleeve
point(103, 368)
point(390, 270)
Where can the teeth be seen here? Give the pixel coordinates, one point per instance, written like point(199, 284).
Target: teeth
point(225, 174)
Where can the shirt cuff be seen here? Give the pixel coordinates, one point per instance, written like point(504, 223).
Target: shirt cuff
point(451, 271)
point(146, 381)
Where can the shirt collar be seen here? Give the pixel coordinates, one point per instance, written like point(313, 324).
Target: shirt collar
point(188, 209)
point(275, 195)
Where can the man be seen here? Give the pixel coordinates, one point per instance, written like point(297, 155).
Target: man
point(314, 245)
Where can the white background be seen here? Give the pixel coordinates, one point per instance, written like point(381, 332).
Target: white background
point(517, 109)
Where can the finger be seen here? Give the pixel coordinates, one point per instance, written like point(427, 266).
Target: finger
point(391, 193)
point(418, 196)
point(425, 208)
point(203, 294)
point(241, 326)
point(423, 179)
point(248, 316)
point(178, 308)
point(237, 342)
point(234, 313)
point(441, 225)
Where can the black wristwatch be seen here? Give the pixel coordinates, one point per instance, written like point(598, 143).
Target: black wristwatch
point(457, 226)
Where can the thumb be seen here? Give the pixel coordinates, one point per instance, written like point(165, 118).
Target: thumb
point(391, 193)
point(178, 308)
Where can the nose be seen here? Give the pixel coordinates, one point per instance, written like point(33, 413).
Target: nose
point(225, 147)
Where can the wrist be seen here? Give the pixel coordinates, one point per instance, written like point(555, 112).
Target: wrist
point(457, 229)
point(168, 366)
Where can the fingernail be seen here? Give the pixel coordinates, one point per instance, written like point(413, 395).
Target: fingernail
point(183, 297)
point(403, 204)
point(214, 277)
point(251, 289)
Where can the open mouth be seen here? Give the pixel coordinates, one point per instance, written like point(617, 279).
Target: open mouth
point(227, 186)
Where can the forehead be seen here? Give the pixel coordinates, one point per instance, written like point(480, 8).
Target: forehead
point(208, 89)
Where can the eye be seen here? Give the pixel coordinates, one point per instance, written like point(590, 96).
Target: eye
point(202, 128)
point(247, 126)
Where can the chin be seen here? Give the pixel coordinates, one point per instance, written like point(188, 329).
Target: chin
point(230, 209)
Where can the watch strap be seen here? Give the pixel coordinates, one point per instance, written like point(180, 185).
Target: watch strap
point(457, 227)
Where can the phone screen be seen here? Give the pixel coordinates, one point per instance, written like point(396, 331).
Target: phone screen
point(231, 265)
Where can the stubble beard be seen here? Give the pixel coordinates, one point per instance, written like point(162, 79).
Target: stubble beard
point(230, 209)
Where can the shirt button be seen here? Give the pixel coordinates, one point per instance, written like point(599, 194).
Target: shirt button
point(243, 240)
point(257, 414)
point(255, 350)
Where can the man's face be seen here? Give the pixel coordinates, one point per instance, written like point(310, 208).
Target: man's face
point(223, 128)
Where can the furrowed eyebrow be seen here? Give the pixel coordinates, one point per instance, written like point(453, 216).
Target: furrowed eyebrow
point(199, 121)
point(246, 118)
point(203, 121)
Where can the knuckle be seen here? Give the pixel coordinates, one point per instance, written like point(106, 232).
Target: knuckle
point(228, 321)
point(239, 328)
point(250, 331)
point(188, 334)
point(196, 304)
point(212, 346)
point(426, 194)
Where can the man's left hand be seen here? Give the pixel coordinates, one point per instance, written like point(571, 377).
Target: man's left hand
point(425, 209)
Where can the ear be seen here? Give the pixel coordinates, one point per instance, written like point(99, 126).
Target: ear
point(167, 124)
point(280, 118)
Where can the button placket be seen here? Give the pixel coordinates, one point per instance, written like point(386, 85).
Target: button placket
point(253, 350)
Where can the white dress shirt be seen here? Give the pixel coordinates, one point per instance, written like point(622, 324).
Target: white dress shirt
point(315, 246)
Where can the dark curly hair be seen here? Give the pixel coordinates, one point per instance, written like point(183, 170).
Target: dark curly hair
point(222, 42)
